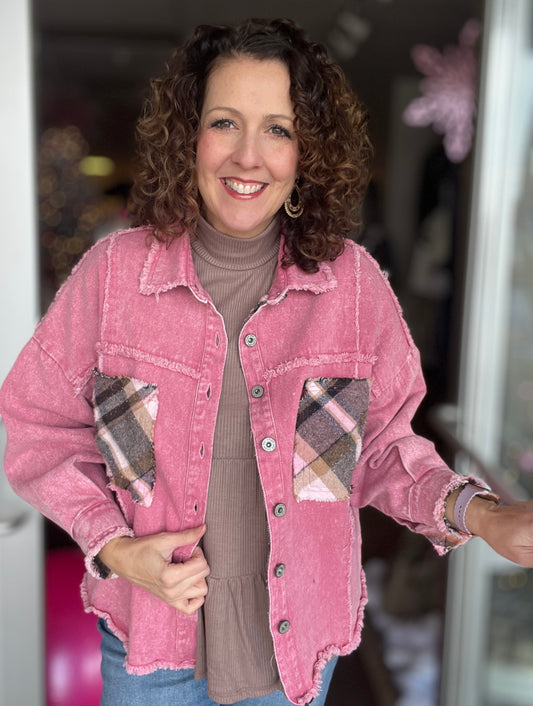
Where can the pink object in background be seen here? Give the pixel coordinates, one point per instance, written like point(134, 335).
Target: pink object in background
point(449, 91)
point(72, 640)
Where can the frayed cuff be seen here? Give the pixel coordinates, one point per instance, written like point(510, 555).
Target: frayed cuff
point(452, 536)
point(93, 564)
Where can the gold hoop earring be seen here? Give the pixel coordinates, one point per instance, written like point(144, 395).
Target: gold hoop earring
point(294, 210)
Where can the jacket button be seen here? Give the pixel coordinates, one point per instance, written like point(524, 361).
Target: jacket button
point(279, 510)
point(279, 571)
point(268, 444)
point(258, 391)
point(250, 340)
point(284, 626)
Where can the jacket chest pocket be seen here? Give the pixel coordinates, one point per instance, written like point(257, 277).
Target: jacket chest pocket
point(329, 435)
point(125, 410)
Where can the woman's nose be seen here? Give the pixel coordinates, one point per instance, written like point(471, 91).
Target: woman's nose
point(247, 152)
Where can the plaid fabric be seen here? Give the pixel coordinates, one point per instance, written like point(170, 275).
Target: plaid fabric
point(125, 410)
point(329, 433)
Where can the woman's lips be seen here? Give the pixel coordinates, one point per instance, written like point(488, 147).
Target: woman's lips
point(239, 189)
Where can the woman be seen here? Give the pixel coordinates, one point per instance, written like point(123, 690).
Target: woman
point(214, 393)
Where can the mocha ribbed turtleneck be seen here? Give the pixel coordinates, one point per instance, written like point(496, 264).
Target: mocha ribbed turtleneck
point(235, 650)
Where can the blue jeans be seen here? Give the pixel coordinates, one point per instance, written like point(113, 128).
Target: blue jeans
point(169, 687)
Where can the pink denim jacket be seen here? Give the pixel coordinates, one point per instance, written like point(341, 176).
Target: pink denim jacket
point(134, 322)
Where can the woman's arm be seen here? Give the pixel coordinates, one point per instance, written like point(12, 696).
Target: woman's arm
point(52, 460)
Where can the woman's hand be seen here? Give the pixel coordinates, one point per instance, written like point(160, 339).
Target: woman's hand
point(147, 562)
point(507, 528)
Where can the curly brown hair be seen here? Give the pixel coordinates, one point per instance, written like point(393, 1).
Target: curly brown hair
point(330, 124)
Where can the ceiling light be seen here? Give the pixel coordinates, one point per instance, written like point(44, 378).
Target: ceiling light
point(97, 166)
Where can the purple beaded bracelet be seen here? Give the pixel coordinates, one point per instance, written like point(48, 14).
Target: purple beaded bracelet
point(463, 501)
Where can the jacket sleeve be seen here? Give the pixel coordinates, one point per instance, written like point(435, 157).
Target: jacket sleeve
point(399, 472)
point(52, 460)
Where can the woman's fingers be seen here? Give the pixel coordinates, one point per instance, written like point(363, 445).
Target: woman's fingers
point(188, 576)
point(185, 584)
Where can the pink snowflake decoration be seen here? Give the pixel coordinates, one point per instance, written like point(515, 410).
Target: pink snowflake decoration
point(449, 91)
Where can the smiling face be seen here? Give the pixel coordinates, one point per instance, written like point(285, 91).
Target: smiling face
point(247, 152)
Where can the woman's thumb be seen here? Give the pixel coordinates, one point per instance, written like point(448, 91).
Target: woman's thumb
point(184, 542)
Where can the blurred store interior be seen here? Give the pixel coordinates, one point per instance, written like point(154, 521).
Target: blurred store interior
point(428, 222)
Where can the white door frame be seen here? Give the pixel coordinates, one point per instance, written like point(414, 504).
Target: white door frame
point(21, 552)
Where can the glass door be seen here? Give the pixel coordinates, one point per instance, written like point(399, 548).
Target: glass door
point(489, 631)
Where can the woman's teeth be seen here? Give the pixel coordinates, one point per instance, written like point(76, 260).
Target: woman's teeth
point(243, 188)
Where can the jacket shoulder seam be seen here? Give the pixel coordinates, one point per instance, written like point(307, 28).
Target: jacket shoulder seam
point(412, 351)
point(400, 374)
point(78, 382)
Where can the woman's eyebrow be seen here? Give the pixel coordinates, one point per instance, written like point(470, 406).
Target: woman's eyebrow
point(275, 116)
point(225, 108)
point(269, 116)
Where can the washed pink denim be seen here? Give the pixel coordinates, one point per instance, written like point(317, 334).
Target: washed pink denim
point(134, 308)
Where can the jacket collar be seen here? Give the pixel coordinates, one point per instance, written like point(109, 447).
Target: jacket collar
point(167, 266)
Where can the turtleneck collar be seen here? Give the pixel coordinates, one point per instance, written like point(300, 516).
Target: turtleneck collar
point(232, 253)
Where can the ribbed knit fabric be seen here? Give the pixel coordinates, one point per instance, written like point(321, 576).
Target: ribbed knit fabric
point(235, 650)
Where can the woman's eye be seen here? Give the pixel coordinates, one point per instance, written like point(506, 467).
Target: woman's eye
point(223, 124)
point(280, 131)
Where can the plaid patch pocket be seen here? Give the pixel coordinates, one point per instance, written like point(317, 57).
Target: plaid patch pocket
point(329, 435)
point(125, 410)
